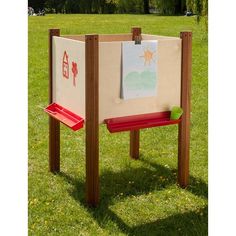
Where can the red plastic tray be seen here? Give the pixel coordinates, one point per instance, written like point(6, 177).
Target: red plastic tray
point(139, 121)
point(65, 116)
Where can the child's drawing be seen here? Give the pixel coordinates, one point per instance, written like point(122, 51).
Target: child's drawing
point(65, 66)
point(74, 71)
point(139, 62)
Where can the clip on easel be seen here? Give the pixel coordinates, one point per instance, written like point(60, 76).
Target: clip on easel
point(137, 39)
point(93, 50)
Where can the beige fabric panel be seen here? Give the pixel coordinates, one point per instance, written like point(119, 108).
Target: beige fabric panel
point(64, 93)
point(110, 103)
point(158, 37)
point(119, 37)
point(114, 37)
point(102, 37)
point(74, 37)
point(168, 83)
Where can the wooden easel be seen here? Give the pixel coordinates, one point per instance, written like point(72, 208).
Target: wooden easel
point(92, 111)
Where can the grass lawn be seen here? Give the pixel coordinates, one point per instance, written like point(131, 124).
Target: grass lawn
point(137, 197)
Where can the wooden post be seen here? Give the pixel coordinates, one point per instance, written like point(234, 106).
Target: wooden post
point(136, 31)
point(54, 125)
point(184, 125)
point(91, 121)
point(134, 144)
point(134, 134)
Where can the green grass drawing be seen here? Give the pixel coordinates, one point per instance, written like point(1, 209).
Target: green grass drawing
point(145, 80)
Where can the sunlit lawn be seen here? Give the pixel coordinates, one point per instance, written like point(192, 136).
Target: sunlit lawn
point(137, 197)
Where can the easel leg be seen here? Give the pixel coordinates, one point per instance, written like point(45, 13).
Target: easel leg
point(134, 134)
point(184, 126)
point(54, 145)
point(92, 171)
point(92, 124)
point(183, 156)
point(134, 144)
point(54, 125)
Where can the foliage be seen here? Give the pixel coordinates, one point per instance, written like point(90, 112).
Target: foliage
point(36, 4)
point(72, 6)
point(109, 6)
point(171, 7)
point(146, 6)
point(166, 7)
point(131, 6)
point(81, 6)
point(137, 197)
point(54, 6)
point(95, 6)
point(200, 8)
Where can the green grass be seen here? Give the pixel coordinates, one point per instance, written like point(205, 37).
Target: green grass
point(137, 197)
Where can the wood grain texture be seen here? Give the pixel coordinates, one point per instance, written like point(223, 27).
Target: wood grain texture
point(91, 120)
point(134, 144)
point(136, 31)
point(184, 126)
point(135, 134)
point(54, 125)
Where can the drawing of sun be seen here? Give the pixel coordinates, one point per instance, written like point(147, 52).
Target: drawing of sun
point(148, 56)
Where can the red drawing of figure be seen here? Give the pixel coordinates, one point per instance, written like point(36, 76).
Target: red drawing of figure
point(74, 71)
point(65, 66)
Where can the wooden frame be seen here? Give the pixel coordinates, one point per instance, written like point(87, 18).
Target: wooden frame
point(135, 134)
point(54, 125)
point(92, 112)
point(92, 126)
point(184, 126)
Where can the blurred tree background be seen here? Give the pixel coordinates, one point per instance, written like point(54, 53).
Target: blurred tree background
point(161, 7)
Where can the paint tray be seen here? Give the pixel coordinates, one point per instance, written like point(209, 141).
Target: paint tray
point(65, 116)
point(136, 122)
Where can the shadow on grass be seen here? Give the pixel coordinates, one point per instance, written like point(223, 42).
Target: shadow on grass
point(139, 181)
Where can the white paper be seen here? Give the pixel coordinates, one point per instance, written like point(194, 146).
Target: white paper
point(139, 69)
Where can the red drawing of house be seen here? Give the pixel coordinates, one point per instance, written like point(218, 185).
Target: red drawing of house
point(65, 66)
point(74, 71)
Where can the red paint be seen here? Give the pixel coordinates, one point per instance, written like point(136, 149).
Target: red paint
point(136, 122)
point(65, 66)
point(65, 116)
point(74, 71)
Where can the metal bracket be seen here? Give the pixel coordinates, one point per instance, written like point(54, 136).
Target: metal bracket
point(138, 39)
